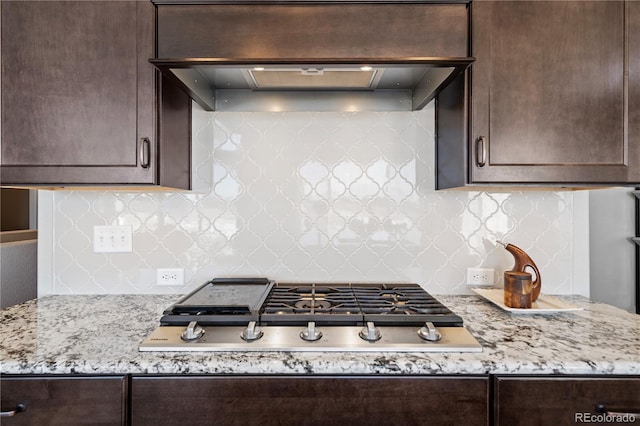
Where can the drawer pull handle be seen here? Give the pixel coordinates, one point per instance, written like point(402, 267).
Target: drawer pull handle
point(145, 153)
point(19, 409)
point(481, 151)
point(602, 409)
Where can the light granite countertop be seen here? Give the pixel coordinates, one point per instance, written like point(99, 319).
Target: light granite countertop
point(100, 334)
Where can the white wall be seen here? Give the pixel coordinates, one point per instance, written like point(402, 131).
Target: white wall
point(312, 196)
point(18, 262)
point(612, 224)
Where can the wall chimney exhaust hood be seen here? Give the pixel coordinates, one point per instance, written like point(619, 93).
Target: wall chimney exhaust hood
point(313, 56)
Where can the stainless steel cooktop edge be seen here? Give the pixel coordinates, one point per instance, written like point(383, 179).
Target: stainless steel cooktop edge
point(287, 339)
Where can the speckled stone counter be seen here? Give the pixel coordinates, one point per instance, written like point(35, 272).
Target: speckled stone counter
point(100, 334)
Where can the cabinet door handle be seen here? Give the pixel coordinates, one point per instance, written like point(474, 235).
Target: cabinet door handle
point(19, 409)
point(602, 409)
point(145, 153)
point(481, 151)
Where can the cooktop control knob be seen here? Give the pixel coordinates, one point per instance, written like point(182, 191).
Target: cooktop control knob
point(370, 333)
point(192, 332)
point(252, 332)
point(429, 332)
point(310, 334)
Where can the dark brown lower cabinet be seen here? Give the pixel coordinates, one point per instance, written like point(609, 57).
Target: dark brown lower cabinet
point(320, 400)
point(305, 400)
point(64, 400)
point(565, 401)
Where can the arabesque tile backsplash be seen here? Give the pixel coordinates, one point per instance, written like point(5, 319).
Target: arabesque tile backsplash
point(313, 197)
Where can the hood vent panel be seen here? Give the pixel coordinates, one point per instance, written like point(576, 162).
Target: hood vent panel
point(312, 78)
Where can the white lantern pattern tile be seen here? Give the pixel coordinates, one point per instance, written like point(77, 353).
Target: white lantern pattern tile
point(312, 197)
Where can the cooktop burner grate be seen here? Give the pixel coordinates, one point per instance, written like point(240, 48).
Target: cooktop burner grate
point(301, 303)
point(401, 300)
point(354, 304)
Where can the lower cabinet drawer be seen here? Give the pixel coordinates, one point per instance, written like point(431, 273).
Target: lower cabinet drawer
point(565, 400)
point(59, 400)
point(305, 400)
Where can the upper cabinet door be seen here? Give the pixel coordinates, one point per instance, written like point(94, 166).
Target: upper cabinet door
point(78, 92)
point(550, 94)
point(633, 24)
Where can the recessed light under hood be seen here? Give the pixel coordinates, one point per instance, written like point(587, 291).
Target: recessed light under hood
point(313, 85)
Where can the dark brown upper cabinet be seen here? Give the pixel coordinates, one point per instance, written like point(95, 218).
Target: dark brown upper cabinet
point(633, 25)
point(80, 100)
point(553, 97)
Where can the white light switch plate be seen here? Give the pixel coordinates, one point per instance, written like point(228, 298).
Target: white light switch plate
point(112, 239)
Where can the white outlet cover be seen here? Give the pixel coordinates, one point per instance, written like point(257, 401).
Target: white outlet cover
point(480, 276)
point(170, 276)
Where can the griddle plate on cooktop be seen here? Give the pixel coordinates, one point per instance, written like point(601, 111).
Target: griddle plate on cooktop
point(230, 301)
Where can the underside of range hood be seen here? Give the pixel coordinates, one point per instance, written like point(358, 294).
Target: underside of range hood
point(313, 85)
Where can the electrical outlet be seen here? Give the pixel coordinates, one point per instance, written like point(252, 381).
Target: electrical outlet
point(480, 276)
point(112, 239)
point(174, 276)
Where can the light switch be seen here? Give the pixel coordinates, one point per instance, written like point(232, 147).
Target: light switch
point(112, 239)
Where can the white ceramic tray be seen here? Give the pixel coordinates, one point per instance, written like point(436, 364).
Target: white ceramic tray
point(544, 305)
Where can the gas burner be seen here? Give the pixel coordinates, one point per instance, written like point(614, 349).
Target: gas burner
point(312, 304)
point(298, 304)
point(401, 303)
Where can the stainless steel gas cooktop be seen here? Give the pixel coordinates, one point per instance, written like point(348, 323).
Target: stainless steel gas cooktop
point(255, 314)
